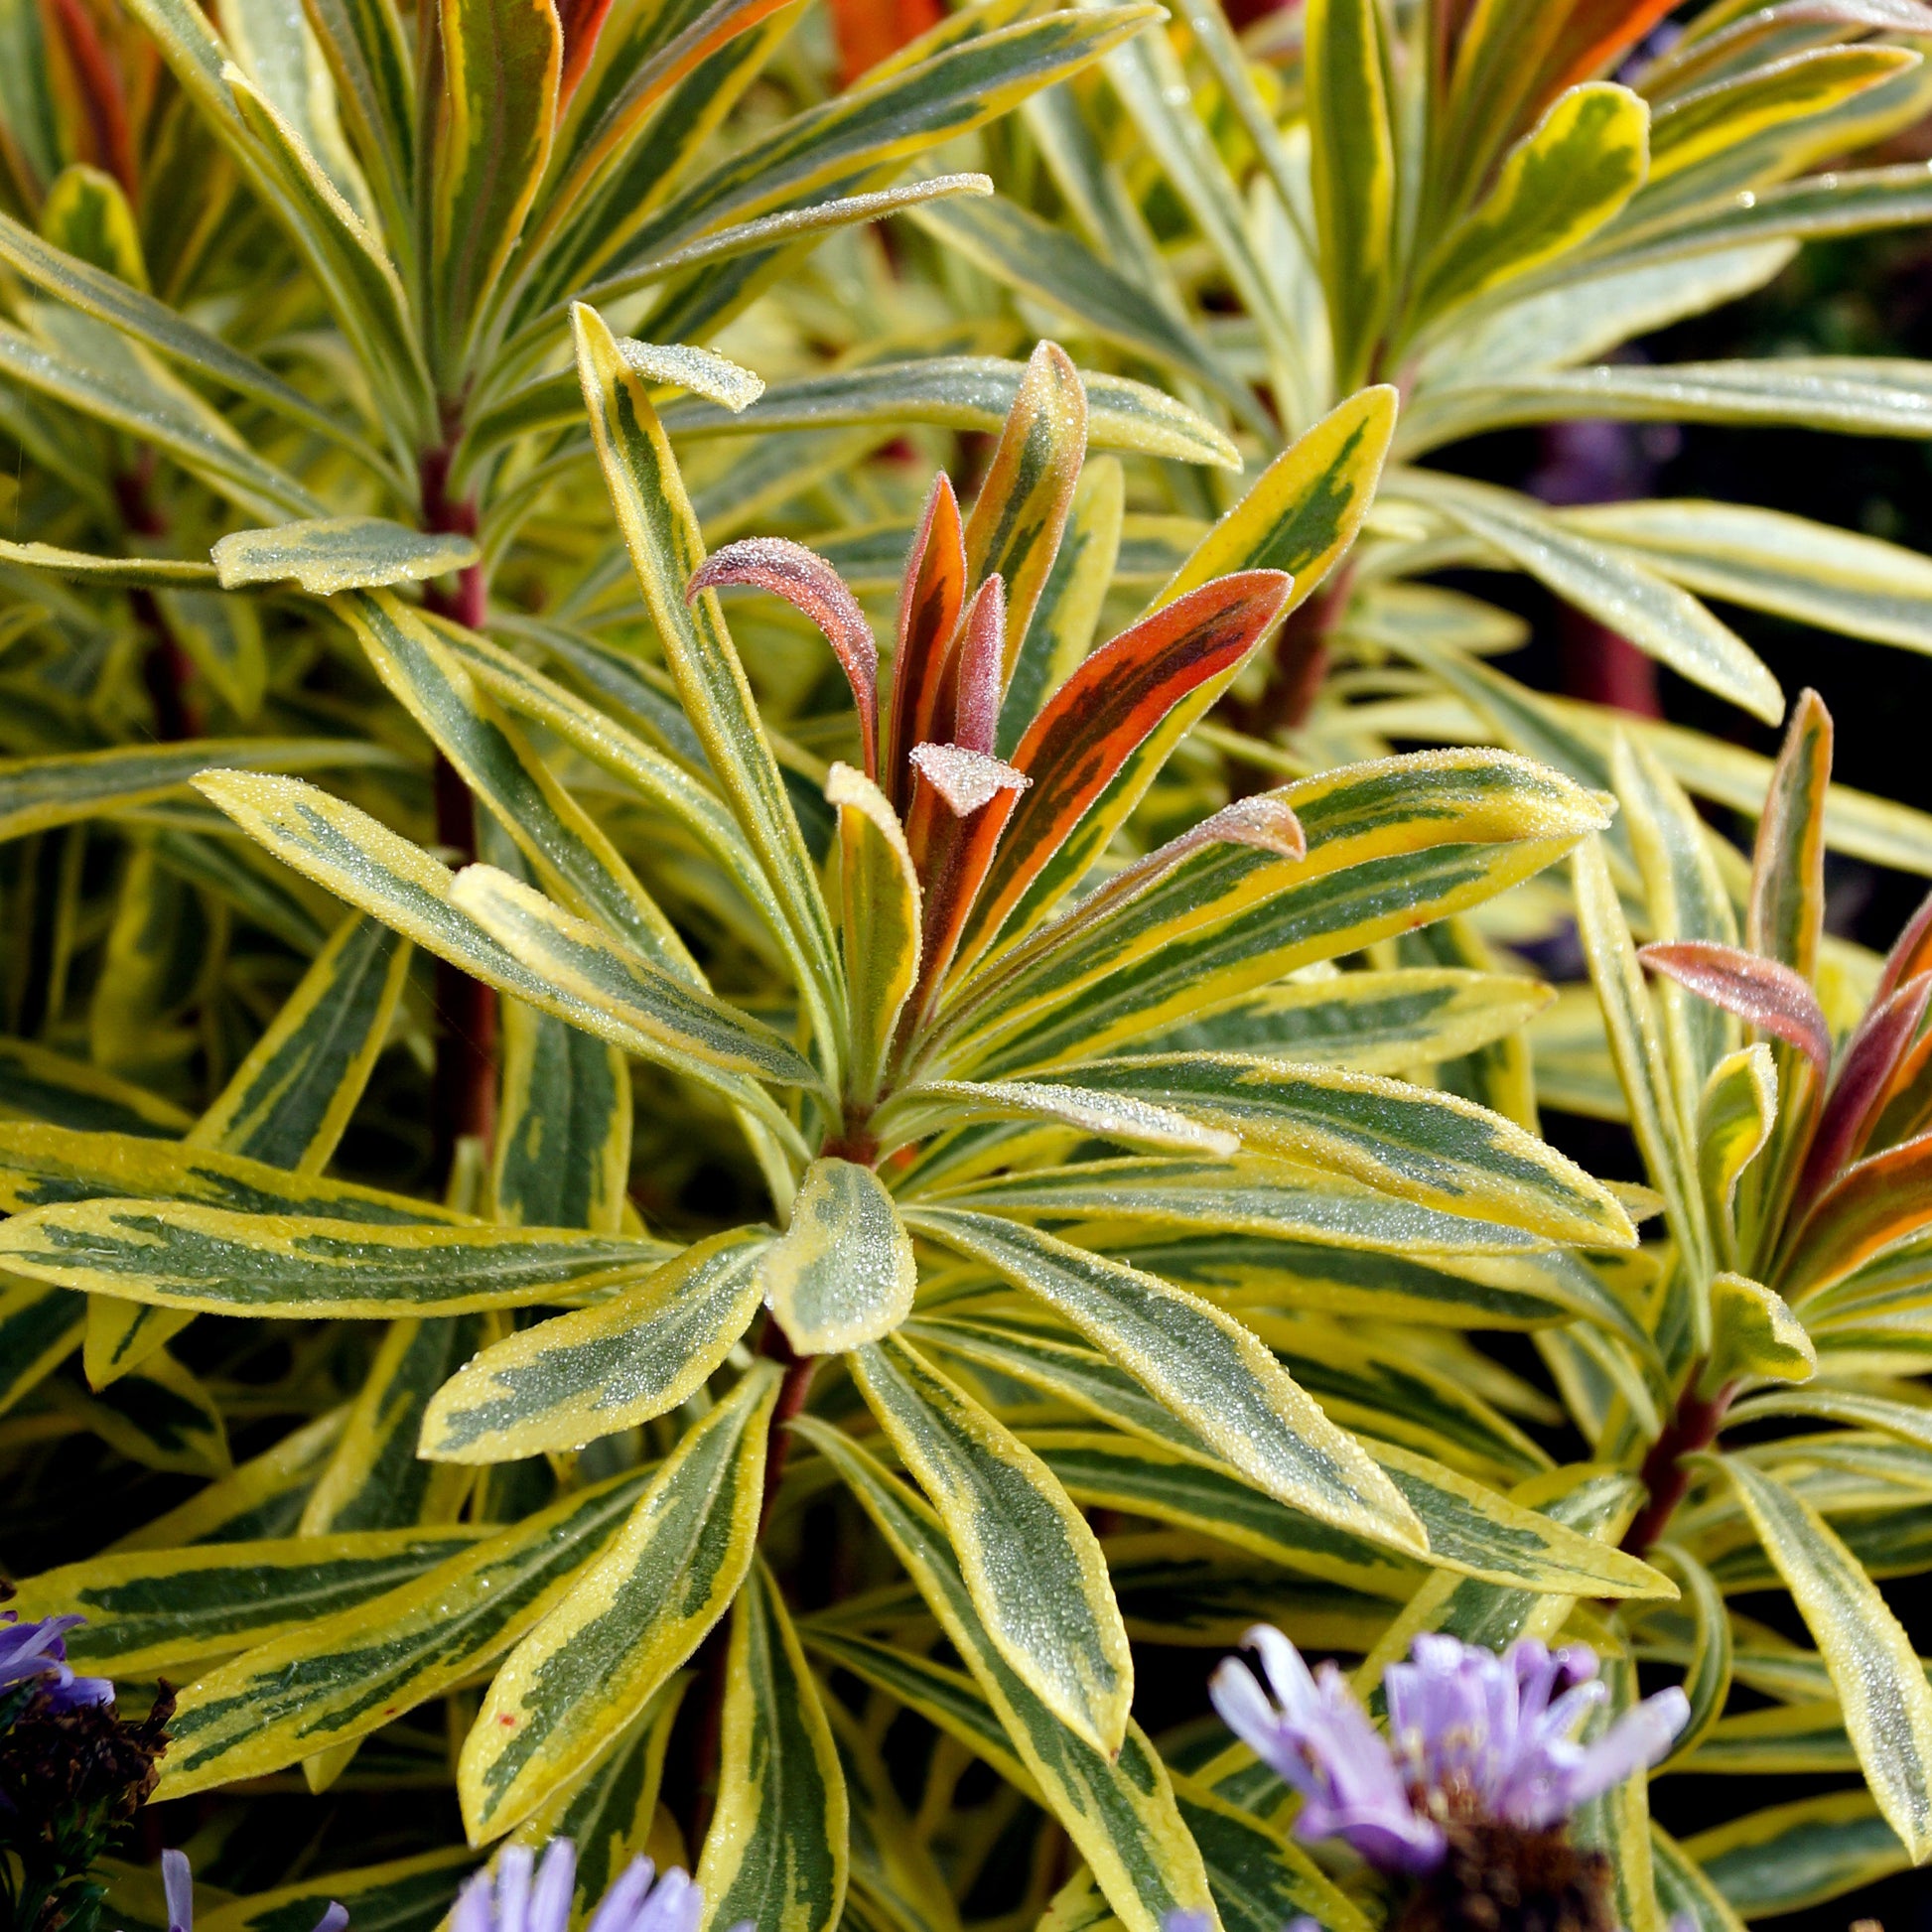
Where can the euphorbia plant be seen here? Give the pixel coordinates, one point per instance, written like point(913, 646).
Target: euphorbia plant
point(972, 1038)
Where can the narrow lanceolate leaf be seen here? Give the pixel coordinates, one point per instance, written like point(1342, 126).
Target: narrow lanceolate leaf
point(1773, 998)
point(493, 79)
point(326, 554)
point(1684, 1889)
point(1501, 1541)
point(563, 1130)
point(1022, 505)
point(1786, 915)
point(1373, 1021)
point(879, 928)
point(600, 1369)
point(40, 1084)
point(1707, 1680)
point(367, 49)
point(1879, 1201)
point(571, 855)
point(290, 1099)
point(1050, 264)
point(161, 1610)
point(166, 330)
point(1788, 1856)
point(843, 1272)
point(1637, 1046)
point(81, 567)
point(628, 1622)
point(636, 999)
point(662, 533)
point(85, 366)
point(1110, 710)
point(1120, 1814)
point(919, 1110)
point(974, 392)
point(1455, 826)
point(1422, 1146)
point(1300, 514)
point(1201, 1364)
point(348, 259)
point(1881, 1684)
point(181, 1255)
point(1353, 173)
point(1695, 126)
point(370, 865)
point(1687, 900)
point(931, 601)
point(1655, 615)
point(397, 1893)
point(1769, 561)
point(39, 1328)
point(611, 1811)
point(374, 1479)
point(37, 795)
point(42, 1165)
point(345, 1675)
point(776, 1850)
point(1583, 160)
point(1033, 1567)
point(1261, 1878)
point(1853, 394)
point(1734, 1118)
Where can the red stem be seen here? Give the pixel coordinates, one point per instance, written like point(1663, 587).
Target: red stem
point(1666, 1477)
point(464, 1087)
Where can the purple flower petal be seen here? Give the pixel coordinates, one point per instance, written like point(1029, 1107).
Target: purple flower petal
point(550, 1901)
point(1320, 1742)
point(178, 1886)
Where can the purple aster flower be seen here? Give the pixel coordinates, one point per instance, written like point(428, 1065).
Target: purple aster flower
point(1320, 1740)
point(37, 1653)
point(1478, 1740)
point(528, 1897)
point(178, 1882)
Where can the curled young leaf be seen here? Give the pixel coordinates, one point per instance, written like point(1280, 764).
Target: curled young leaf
point(810, 584)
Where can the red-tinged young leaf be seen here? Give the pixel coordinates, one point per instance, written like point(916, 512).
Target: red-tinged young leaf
point(1093, 722)
point(1904, 1109)
point(1024, 503)
point(810, 584)
point(1787, 903)
point(1872, 1205)
point(930, 600)
point(969, 706)
point(961, 803)
point(1596, 34)
point(1768, 994)
point(1872, 1056)
point(1910, 955)
point(581, 21)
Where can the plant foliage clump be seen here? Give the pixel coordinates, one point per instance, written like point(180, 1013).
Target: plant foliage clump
point(744, 1067)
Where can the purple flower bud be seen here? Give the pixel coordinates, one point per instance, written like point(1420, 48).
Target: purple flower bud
point(37, 1652)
